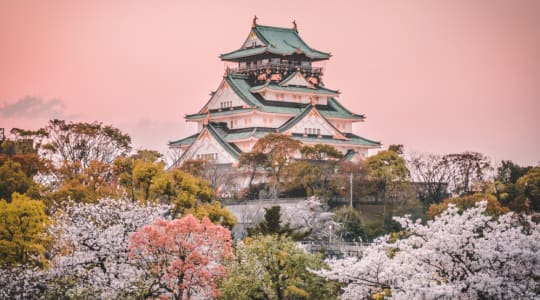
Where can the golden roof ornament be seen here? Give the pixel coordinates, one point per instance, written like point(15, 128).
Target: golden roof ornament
point(295, 27)
point(254, 22)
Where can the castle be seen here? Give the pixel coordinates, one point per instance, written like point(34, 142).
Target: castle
point(275, 86)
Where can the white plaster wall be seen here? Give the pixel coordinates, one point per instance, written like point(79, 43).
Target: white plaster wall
point(225, 93)
point(313, 121)
point(207, 145)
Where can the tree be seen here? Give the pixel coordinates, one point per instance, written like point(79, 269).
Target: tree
point(431, 175)
point(397, 148)
point(95, 182)
point(310, 221)
point(493, 207)
point(361, 185)
point(468, 169)
point(528, 187)
point(273, 267)
point(194, 167)
point(182, 258)
point(316, 172)
point(510, 172)
point(350, 229)
point(13, 180)
point(23, 225)
point(252, 161)
point(272, 226)
point(214, 211)
point(279, 150)
point(388, 169)
point(90, 253)
point(320, 152)
point(84, 142)
point(466, 255)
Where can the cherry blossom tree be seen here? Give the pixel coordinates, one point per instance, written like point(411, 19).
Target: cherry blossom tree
point(91, 247)
point(89, 257)
point(181, 259)
point(310, 217)
point(467, 255)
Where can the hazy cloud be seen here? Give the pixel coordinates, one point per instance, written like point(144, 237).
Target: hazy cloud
point(33, 107)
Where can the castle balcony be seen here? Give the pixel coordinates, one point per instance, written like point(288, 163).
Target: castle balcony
point(275, 67)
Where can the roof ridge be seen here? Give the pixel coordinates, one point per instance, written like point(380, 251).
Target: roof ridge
point(276, 27)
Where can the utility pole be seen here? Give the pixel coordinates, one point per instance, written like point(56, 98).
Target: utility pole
point(350, 184)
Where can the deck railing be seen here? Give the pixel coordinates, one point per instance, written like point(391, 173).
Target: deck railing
point(277, 67)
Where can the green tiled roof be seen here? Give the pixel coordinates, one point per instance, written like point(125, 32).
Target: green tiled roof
point(349, 155)
point(234, 151)
point(225, 112)
point(301, 89)
point(218, 136)
point(242, 88)
point(296, 119)
point(282, 41)
point(355, 140)
point(185, 141)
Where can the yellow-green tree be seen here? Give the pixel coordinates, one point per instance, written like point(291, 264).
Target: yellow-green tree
point(96, 181)
point(22, 232)
point(494, 208)
point(214, 211)
point(273, 267)
point(388, 172)
point(13, 179)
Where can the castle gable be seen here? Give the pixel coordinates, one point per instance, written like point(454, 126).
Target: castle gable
point(210, 146)
point(252, 41)
point(296, 79)
point(224, 98)
point(311, 122)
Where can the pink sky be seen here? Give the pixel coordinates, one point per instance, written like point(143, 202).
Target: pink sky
point(436, 76)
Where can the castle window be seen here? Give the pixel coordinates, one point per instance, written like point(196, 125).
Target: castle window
point(316, 131)
point(226, 104)
point(207, 156)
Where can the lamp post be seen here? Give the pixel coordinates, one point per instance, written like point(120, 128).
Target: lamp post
point(350, 184)
point(330, 239)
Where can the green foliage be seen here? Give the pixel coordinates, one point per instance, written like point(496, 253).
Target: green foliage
point(272, 225)
point(145, 173)
point(279, 150)
point(316, 172)
point(144, 179)
point(13, 180)
point(510, 172)
point(22, 232)
point(528, 187)
point(397, 148)
point(351, 229)
point(272, 267)
point(320, 152)
point(387, 167)
point(252, 161)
